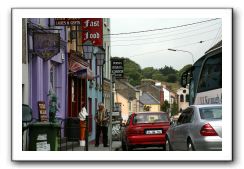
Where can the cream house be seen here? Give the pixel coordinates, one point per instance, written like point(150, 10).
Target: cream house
point(127, 96)
point(127, 106)
point(183, 98)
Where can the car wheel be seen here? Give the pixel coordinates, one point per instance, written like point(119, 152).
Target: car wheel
point(164, 147)
point(123, 145)
point(168, 146)
point(190, 146)
point(129, 148)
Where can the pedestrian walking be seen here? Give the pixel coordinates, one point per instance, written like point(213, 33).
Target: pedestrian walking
point(101, 119)
point(82, 115)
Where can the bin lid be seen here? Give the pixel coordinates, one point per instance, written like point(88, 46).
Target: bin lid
point(44, 124)
point(26, 113)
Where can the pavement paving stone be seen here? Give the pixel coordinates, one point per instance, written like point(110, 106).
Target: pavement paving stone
point(116, 146)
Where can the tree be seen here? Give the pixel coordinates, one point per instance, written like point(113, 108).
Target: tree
point(172, 78)
point(174, 110)
point(158, 76)
point(132, 71)
point(167, 70)
point(148, 72)
point(165, 106)
point(134, 78)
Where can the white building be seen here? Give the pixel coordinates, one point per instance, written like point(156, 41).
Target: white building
point(166, 95)
point(183, 98)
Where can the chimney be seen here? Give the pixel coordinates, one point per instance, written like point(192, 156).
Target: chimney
point(140, 92)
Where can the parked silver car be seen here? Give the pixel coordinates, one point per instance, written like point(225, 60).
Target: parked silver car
point(199, 128)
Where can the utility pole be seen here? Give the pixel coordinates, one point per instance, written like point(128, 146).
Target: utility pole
point(111, 109)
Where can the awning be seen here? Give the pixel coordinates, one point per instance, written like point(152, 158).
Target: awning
point(80, 68)
point(85, 74)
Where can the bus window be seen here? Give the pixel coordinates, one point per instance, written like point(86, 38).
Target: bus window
point(192, 91)
point(211, 75)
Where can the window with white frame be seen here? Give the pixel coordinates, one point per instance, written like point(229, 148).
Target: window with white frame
point(53, 77)
point(130, 105)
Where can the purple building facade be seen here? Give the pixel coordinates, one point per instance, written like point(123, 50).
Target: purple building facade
point(47, 75)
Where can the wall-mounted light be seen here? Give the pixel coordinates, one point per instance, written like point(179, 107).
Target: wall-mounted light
point(62, 57)
point(100, 57)
point(88, 50)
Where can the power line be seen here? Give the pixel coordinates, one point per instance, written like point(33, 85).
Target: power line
point(151, 30)
point(166, 49)
point(216, 37)
point(201, 33)
point(172, 31)
point(160, 36)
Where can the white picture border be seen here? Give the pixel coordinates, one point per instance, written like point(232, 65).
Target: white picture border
point(19, 155)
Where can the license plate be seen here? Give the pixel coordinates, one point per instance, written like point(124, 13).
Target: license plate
point(153, 131)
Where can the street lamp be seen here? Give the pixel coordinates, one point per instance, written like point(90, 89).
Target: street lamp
point(100, 59)
point(87, 50)
point(175, 50)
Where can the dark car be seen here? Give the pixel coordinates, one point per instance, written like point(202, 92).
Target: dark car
point(145, 129)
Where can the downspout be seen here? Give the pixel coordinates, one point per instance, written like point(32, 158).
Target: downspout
point(66, 74)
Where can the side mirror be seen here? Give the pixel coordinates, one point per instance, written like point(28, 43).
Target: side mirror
point(186, 76)
point(172, 123)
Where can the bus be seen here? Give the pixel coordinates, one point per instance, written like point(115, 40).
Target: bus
point(204, 78)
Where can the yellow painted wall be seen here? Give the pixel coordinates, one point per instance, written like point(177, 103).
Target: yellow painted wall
point(154, 107)
point(124, 105)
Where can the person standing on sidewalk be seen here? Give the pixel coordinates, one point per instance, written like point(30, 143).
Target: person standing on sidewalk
point(101, 119)
point(82, 115)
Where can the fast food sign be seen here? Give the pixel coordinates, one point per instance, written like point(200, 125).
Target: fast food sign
point(92, 29)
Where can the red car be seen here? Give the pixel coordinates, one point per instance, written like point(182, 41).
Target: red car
point(145, 129)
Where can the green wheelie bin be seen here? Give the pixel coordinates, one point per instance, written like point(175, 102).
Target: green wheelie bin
point(44, 136)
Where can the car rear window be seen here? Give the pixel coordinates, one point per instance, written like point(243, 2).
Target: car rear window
point(150, 118)
point(211, 113)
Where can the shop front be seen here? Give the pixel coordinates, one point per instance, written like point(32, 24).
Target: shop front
point(79, 74)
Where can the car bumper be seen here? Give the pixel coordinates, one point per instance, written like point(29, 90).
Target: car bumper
point(146, 140)
point(209, 144)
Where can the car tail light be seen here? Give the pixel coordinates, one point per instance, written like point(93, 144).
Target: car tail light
point(207, 130)
point(134, 131)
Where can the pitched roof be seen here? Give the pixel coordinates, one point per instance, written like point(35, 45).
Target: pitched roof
point(147, 98)
point(127, 84)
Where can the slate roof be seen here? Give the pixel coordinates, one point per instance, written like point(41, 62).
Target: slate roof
point(147, 98)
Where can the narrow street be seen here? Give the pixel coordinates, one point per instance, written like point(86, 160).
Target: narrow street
point(115, 84)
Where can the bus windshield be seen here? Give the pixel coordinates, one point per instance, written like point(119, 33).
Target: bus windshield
point(205, 78)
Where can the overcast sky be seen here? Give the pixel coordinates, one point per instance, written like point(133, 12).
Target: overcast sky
point(149, 49)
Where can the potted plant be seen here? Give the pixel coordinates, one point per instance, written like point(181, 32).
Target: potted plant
point(52, 106)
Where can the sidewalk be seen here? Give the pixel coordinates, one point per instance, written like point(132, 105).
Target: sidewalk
point(116, 146)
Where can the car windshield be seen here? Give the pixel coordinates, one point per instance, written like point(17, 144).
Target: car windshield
point(211, 112)
point(150, 118)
